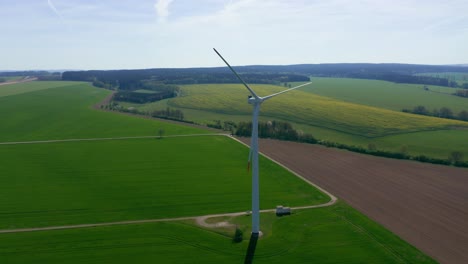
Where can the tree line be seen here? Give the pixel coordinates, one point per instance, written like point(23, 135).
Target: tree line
point(443, 112)
point(168, 113)
point(131, 79)
point(141, 98)
point(276, 130)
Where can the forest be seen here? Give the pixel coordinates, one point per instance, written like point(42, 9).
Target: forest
point(269, 74)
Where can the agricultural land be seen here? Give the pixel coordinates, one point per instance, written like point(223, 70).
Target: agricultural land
point(67, 163)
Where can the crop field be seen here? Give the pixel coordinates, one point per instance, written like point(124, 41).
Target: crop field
point(112, 180)
point(305, 108)
point(335, 234)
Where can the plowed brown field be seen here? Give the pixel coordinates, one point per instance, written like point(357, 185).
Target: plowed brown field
point(425, 204)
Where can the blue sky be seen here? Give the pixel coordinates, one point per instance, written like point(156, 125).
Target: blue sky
point(124, 34)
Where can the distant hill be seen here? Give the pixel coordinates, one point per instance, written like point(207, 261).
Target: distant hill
point(394, 72)
point(269, 74)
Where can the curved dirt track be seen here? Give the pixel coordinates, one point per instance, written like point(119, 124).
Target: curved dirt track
point(200, 220)
point(425, 204)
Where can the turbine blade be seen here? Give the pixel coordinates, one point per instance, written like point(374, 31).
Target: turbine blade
point(237, 75)
point(285, 91)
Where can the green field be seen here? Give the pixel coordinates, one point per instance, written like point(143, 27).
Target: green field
point(335, 234)
point(104, 181)
point(76, 182)
point(64, 111)
point(388, 95)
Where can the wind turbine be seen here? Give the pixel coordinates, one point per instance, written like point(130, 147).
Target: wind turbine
point(256, 101)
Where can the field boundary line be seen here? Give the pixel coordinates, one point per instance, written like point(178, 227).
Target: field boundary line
point(103, 139)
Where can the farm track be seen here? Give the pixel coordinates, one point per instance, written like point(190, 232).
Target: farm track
point(103, 139)
point(200, 220)
point(425, 204)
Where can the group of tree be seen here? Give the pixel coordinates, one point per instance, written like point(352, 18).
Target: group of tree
point(462, 93)
point(168, 113)
point(443, 112)
point(224, 125)
point(25, 73)
point(142, 98)
point(54, 76)
point(276, 130)
point(155, 91)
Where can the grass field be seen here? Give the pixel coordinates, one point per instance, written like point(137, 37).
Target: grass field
point(336, 234)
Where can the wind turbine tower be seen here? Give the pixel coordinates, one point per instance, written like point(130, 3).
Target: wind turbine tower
point(255, 101)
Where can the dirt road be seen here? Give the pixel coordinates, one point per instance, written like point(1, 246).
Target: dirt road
point(425, 204)
point(200, 220)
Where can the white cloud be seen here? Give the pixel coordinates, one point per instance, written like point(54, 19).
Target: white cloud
point(162, 9)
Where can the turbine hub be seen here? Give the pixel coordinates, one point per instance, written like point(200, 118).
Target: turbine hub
point(253, 100)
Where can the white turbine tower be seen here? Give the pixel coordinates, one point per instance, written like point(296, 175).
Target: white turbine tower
point(256, 101)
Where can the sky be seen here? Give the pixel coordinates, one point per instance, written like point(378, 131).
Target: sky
point(137, 34)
